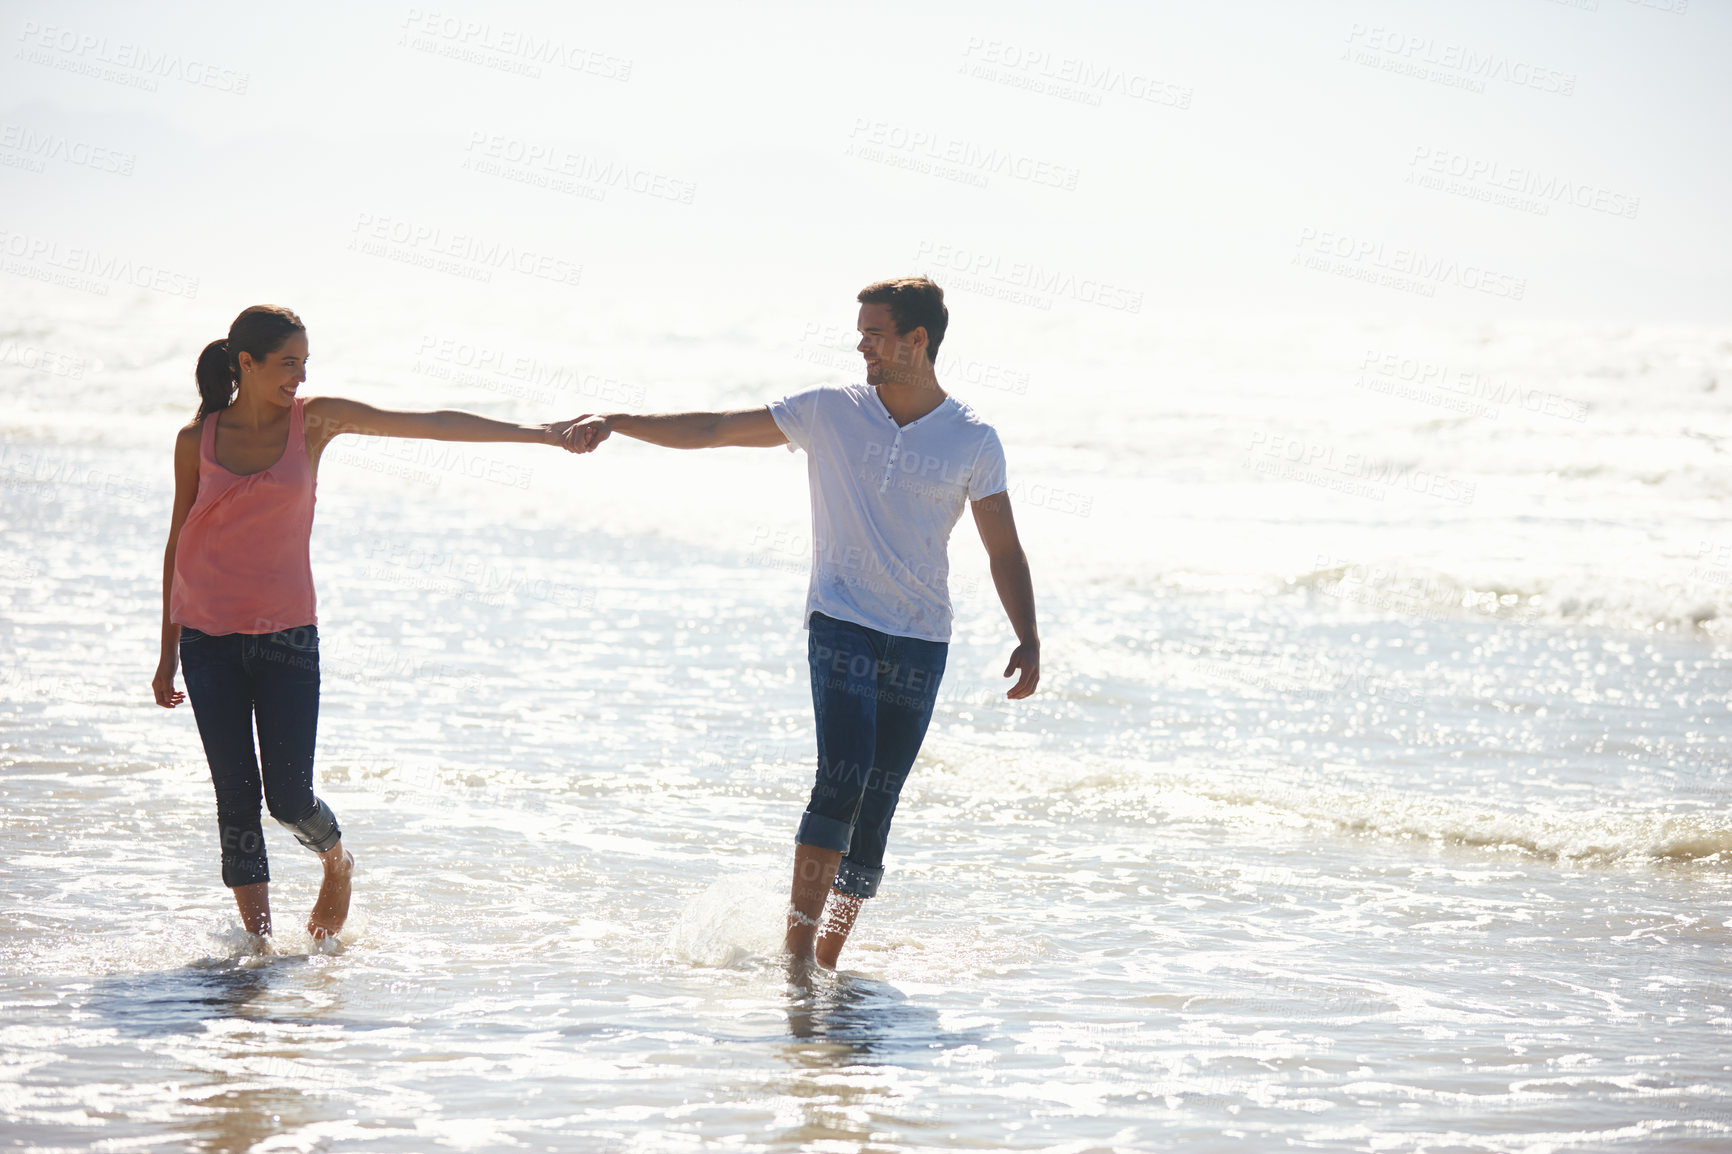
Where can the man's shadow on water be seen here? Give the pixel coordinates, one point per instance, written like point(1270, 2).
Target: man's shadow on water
point(857, 1019)
point(180, 1000)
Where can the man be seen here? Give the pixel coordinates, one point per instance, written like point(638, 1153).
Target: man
point(891, 464)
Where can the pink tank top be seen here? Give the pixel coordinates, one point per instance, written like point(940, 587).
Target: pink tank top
point(243, 564)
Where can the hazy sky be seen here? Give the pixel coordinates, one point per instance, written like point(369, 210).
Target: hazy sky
point(1499, 158)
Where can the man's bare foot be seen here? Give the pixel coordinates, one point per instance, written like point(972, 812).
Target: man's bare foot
point(839, 914)
point(332, 908)
point(803, 972)
point(814, 870)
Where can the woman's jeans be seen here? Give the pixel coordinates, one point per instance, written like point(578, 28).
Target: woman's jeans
point(234, 680)
point(872, 696)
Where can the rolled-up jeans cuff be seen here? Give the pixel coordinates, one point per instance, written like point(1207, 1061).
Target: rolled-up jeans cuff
point(317, 830)
point(824, 832)
point(858, 880)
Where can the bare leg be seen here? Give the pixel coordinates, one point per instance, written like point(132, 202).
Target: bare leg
point(839, 917)
point(814, 870)
point(332, 908)
point(255, 906)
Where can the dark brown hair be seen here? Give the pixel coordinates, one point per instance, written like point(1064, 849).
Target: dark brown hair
point(915, 302)
point(259, 331)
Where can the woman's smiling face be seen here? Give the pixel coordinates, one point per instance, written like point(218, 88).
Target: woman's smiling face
point(276, 376)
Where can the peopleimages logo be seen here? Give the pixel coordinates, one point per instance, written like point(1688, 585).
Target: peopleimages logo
point(41, 147)
point(1023, 282)
point(459, 254)
point(87, 269)
point(121, 61)
point(544, 163)
point(516, 373)
point(1429, 58)
point(1363, 258)
point(505, 48)
point(26, 355)
point(429, 460)
point(29, 467)
point(1068, 77)
point(1356, 474)
point(920, 149)
point(1474, 175)
point(1462, 390)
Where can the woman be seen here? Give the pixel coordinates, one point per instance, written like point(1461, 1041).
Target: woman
point(237, 596)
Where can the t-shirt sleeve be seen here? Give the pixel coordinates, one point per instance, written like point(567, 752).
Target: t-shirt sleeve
point(796, 415)
point(988, 475)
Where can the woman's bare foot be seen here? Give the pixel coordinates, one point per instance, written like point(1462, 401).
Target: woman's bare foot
point(332, 908)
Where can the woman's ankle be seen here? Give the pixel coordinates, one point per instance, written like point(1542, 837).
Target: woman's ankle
point(254, 903)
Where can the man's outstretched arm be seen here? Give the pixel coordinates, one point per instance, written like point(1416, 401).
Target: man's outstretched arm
point(1015, 588)
point(753, 428)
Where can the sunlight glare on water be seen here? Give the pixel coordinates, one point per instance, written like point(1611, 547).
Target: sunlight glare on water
point(1376, 793)
point(1323, 853)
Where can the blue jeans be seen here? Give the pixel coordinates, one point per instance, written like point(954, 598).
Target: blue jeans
point(872, 696)
point(232, 681)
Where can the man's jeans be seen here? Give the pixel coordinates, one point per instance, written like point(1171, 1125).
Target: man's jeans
point(872, 695)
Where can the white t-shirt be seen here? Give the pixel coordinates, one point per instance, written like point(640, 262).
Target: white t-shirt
point(884, 500)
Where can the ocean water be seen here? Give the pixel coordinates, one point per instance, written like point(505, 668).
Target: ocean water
point(1375, 796)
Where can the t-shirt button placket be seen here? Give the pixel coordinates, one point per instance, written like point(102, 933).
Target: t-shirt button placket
point(890, 460)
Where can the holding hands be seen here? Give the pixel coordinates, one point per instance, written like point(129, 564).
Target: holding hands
point(578, 435)
point(583, 434)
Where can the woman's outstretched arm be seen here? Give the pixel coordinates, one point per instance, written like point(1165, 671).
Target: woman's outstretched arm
point(329, 417)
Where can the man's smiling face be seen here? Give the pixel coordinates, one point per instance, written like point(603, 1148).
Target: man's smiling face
point(889, 356)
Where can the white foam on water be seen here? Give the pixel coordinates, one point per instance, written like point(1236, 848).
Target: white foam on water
point(1389, 586)
point(1597, 837)
point(740, 919)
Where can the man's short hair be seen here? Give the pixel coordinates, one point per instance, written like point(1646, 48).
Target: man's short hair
point(915, 302)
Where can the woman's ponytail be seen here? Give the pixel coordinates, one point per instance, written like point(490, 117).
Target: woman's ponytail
point(259, 331)
point(216, 379)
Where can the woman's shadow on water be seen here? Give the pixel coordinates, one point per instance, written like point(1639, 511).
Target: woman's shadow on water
point(180, 1000)
point(854, 1018)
